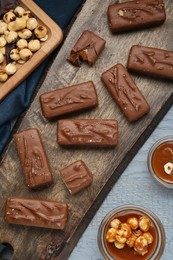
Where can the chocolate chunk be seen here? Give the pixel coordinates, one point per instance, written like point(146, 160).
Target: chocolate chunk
point(125, 92)
point(88, 132)
point(137, 14)
point(151, 62)
point(76, 176)
point(33, 158)
point(37, 213)
point(66, 100)
point(87, 48)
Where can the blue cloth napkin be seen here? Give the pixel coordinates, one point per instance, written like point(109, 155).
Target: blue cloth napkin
point(61, 11)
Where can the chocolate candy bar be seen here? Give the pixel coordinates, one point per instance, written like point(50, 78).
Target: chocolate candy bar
point(38, 213)
point(151, 62)
point(87, 48)
point(137, 14)
point(88, 132)
point(65, 100)
point(33, 158)
point(76, 176)
point(125, 92)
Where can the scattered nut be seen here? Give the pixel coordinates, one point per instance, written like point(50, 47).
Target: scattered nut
point(34, 45)
point(2, 41)
point(133, 222)
point(11, 26)
point(10, 36)
point(31, 23)
point(14, 54)
point(148, 237)
point(40, 31)
point(3, 27)
point(27, 15)
point(1, 58)
point(44, 38)
point(110, 236)
point(25, 34)
point(131, 240)
point(144, 223)
point(115, 223)
point(10, 69)
point(3, 76)
point(141, 244)
point(19, 11)
point(25, 54)
point(22, 43)
point(9, 17)
point(20, 23)
point(120, 238)
point(126, 229)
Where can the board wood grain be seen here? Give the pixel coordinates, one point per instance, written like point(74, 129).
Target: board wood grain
point(106, 164)
point(55, 37)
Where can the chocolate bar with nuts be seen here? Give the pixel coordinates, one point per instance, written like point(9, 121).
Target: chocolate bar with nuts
point(151, 62)
point(70, 99)
point(33, 158)
point(38, 213)
point(125, 92)
point(88, 132)
point(76, 176)
point(136, 14)
point(87, 48)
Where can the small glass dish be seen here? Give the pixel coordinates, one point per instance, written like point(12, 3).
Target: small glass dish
point(125, 211)
point(161, 153)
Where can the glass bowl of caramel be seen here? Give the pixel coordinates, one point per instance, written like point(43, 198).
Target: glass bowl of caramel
point(160, 161)
point(131, 232)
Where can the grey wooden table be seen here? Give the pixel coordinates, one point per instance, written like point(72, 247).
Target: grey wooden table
point(138, 187)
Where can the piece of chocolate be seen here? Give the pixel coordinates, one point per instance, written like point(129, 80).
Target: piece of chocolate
point(87, 48)
point(150, 61)
point(66, 100)
point(38, 213)
point(76, 176)
point(88, 132)
point(125, 92)
point(33, 158)
point(136, 14)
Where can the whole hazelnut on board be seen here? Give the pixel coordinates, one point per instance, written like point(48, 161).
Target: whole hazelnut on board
point(31, 23)
point(1, 58)
point(10, 69)
point(27, 15)
point(3, 76)
point(34, 45)
point(9, 17)
point(21, 44)
point(25, 33)
point(40, 31)
point(14, 54)
point(11, 26)
point(19, 11)
point(10, 36)
point(25, 54)
point(3, 27)
point(20, 23)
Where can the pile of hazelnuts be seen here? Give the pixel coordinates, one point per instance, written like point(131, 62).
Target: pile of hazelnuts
point(20, 28)
point(135, 233)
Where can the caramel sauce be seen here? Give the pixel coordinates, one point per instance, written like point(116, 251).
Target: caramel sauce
point(128, 253)
point(162, 155)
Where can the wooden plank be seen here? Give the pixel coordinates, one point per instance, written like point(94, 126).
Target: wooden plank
point(106, 165)
point(55, 37)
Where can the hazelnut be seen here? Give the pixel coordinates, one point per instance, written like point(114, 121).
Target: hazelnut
point(21, 61)
point(2, 41)
point(3, 27)
point(34, 45)
point(44, 38)
point(25, 34)
point(31, 23)
point(144, 223)
point(148, 237)
point(25, 54)
point(141, 245)
point(115, 223)
point(3, 76)
point(40, 31)
point(133, 222)
point(11, 26)
point(120, 238)
point(19, 11)
point(125, 229)
point(21, 44)
point(1, 58)
point(131, 240)
point(10, 69)
point(10, 36)
point(2, 50)
point(110, 236)
point(14, 54)
point(20, 23)
point(9, 17)
point(119, 245)
point(27, 15)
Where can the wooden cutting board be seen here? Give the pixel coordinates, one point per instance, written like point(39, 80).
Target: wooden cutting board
point(55, 37)
point(106, 164)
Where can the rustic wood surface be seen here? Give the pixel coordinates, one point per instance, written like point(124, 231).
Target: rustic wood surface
point(55, 37)
point(106, 164)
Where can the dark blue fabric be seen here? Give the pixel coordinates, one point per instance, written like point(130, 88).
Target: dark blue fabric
point(61, 11)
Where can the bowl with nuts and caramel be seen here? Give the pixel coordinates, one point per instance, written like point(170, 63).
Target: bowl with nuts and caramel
point(131, 232)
